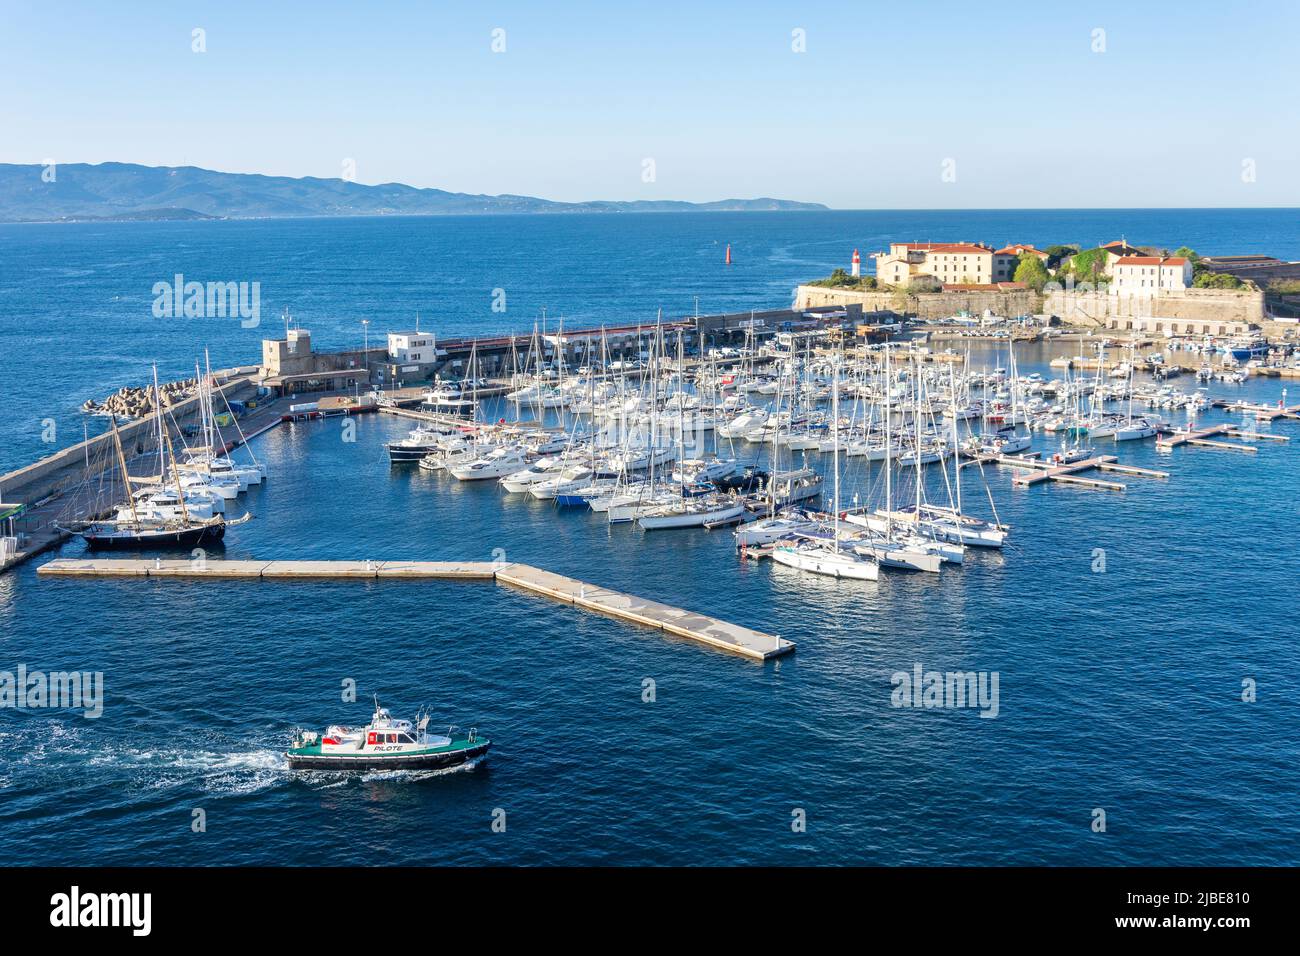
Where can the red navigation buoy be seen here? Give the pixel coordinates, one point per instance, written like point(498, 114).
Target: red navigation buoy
point(728, 253)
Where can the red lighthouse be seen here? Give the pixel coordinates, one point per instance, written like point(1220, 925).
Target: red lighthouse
point(857, 263)
point(728, 253)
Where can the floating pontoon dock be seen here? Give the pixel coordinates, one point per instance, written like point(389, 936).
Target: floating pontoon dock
point(1040, 470)
point(1204, 438)
point(673, 620)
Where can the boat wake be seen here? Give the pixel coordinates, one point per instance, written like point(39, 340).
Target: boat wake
point(217, 766)
point(416, 775)
point(71, 749)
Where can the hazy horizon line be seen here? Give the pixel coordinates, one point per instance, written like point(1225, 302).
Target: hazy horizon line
point(578, 202)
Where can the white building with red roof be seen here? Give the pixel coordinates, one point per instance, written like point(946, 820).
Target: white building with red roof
point(1150, 275)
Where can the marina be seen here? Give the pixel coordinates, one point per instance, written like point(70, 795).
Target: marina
point(721, 438)
point(621, 491)
point(522, 449)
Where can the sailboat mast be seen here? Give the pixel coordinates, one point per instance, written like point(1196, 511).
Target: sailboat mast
point(654, 401)
point(889, 451)
point(835, 424)
point(473, 381)
point(681, 412)
point(121, 463)
point(176, 474)
point(918, 437)
point(956, 456)
point(157, 411)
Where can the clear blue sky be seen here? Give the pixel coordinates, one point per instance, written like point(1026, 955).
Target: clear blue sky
point(886, 92)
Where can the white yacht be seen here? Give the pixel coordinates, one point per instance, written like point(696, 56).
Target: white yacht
point(694, 512)
point(820, 557)
point(541, 470)
point(496, 464)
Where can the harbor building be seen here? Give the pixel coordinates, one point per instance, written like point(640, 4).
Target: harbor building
point(964, 263)
point(1151, 275)
point(290, 366)
point(410, 357)
point(412, 348)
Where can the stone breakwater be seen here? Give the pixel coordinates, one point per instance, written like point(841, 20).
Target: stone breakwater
point(128, 402)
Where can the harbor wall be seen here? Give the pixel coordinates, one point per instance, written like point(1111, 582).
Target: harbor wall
point(66, 467)
point(1214, 307)
point(927, 305)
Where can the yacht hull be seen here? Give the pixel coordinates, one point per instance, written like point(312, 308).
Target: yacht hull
point(344, 764)
point(181, 538)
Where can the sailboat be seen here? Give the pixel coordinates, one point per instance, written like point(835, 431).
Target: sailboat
point(828, 558)
point(890, 545)
point(1005, 440)
point(691, 510)
point(208, 459)
point(137, 530)
point(1133, 428)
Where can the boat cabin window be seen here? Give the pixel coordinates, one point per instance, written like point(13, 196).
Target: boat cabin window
point(405, 739)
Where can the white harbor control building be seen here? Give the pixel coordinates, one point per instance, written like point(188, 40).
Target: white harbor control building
point(412, 348)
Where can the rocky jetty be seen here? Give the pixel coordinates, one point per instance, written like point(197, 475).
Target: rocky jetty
point(129, 402)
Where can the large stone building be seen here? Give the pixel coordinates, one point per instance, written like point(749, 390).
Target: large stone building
point(290, 366)
point(948, 262)
point(1150, 275)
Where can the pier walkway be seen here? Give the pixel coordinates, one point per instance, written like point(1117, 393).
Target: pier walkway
point(1040, 470)
point(1204, 438)
point(700, 628)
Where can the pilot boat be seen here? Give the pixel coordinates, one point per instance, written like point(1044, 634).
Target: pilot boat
point(385, 743)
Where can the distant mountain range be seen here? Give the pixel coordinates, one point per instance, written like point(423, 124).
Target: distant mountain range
point(120, 191)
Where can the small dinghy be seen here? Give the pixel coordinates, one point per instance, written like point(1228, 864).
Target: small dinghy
point(384, 744)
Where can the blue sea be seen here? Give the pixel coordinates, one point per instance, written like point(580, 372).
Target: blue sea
point(1120, 688)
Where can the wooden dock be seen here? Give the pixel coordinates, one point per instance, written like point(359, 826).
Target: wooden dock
point(663, 617)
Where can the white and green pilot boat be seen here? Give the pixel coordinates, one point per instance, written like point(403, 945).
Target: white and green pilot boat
point(384, 744)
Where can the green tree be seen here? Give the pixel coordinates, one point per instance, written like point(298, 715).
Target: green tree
point(1089, 266)
point(839, 279)
point(1216, 280)
point(1055, 254)
point(1031, 272)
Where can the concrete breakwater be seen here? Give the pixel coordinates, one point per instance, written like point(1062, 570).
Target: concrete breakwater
point(700, 628)
point(136, 402)
point(34, 499)
point(67, 466)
